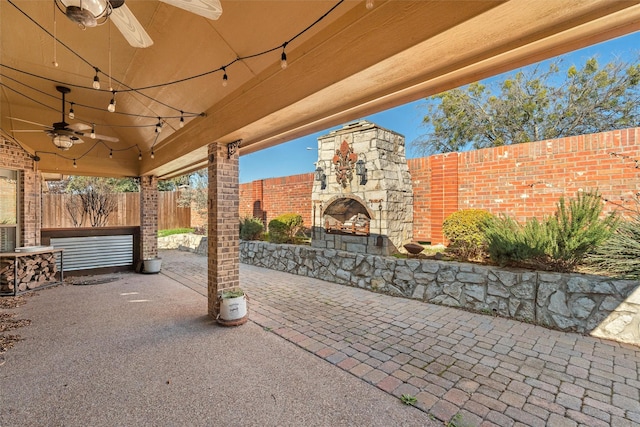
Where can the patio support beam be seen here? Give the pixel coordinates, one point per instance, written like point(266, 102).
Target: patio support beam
point(223, 218)
point(149, 216)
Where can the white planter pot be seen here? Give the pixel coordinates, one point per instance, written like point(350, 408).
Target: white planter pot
point(152, 265)
point(233, 308)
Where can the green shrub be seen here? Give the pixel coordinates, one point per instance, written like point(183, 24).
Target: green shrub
point(558, 242)
point(251, 228)
point(284, 228)
point(620, 254)
point(465, 231)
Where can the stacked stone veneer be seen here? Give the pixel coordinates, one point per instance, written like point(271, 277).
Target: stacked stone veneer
point(583, 303)
point(388, 186)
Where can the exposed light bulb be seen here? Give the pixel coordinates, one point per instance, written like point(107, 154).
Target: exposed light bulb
point(181, 119)
point(140, 156)
point(92, 135)
point(159, 125)
point(112, 105)
point(369, 4)
point(72, 114)
point(283, 60)
point(111, 154)
point(153, 155)
point(55, 64)
point(74, 163)
point(225, 78)
point(96, 81)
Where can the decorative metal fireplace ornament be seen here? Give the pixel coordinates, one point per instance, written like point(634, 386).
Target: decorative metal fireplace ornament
point(344, 161)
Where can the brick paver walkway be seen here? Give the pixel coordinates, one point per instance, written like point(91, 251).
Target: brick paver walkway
point(465, 369)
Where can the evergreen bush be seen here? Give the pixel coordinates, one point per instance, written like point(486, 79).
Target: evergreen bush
point(559, 242)
point(284, 228)
point(465, 230)
point(251, 228)
point(620, 254)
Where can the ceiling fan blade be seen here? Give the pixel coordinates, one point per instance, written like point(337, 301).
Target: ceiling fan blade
point(210, 9)
point(79, 126)
point(26, 130)
point(130, 28)
point(30, 122)
point(102, 137)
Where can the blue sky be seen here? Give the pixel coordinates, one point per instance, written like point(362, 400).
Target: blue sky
point(293, 158)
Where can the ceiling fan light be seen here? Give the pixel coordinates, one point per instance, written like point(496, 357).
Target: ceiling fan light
point(63, 142)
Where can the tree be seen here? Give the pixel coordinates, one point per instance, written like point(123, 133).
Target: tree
point(533, 105)
point(92, 198)
point(196, 195)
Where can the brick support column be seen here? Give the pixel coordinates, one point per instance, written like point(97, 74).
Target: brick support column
point(148, 217)
point(223, 213)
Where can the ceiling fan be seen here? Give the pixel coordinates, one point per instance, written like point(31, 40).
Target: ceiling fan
point(63, 134)
point(90, 13)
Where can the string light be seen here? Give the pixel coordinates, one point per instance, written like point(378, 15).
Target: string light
point(111, 153)
point(92, 135)
point(369, 4)
point(181, 119)
point(75, 165)
point(112, 105)
point(225, 78)
point(96, 80)
point(72, 114)
point(153, 155)
point(140, 156)
point(283, 57)
point(159, 125)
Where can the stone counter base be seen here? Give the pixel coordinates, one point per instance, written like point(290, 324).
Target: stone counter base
point(596, 305)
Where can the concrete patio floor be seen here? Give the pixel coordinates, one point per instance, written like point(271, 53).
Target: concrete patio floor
point(140, 350)
point(465, 369)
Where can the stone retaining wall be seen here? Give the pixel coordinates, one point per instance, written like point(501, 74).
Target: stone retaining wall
point(184, 242)
point(596, 305)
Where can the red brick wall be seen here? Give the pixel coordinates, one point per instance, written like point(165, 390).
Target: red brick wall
point(523, 181)
point(29, 198)
point(271, 197)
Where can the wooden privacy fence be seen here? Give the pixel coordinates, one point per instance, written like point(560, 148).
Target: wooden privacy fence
point(127, 213)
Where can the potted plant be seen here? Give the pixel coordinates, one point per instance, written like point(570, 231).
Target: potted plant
point(233, 307)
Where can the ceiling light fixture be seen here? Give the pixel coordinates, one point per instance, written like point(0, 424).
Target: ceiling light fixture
point(112, 105)
point(63, 142)
point(86, 13)
point(72, 114)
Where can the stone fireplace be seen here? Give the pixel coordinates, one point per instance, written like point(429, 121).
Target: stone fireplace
point(362, 194)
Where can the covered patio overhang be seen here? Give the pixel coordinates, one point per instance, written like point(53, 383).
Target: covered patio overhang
point(353, 62)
